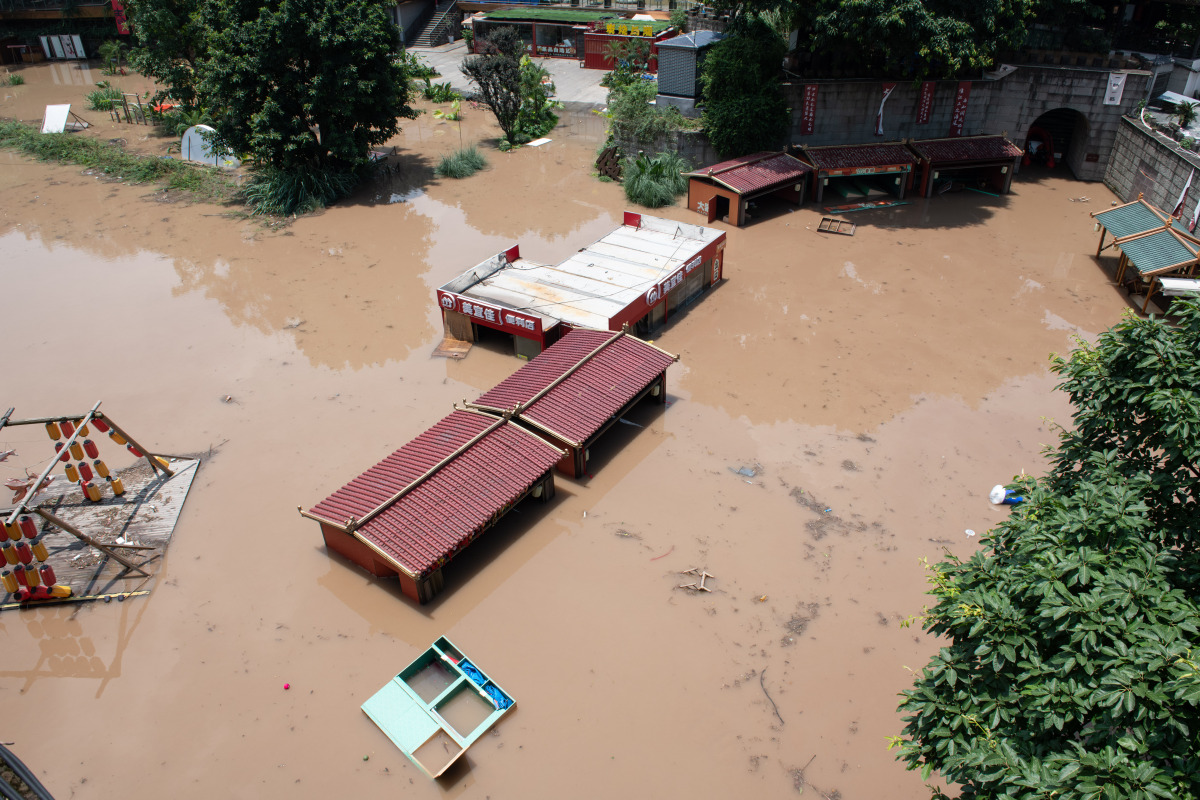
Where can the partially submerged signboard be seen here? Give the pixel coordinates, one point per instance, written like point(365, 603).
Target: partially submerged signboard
point(196, 146)
point(60, 118)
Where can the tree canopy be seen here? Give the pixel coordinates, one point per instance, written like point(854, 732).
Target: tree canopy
point(517, 90)
point(744, 109)
point(303, 84)
point(1072, 665)
point(169, 42)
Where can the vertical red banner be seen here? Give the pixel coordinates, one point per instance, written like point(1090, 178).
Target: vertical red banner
point(958, 117)
point(119, 17)
point(925, 104)
point(808, 113)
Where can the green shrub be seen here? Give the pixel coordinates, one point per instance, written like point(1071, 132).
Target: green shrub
point(655, 182)
point(439, 92)
point(277, 191)
point(16, 80)
point(415, 68)
point(178, 120)
point(461, 164)
point(104, 97)
point(633, 117)
point(679, 19)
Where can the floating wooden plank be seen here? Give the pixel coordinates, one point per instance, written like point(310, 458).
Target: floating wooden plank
point(139, 524)
point(834, 225)
point(452, 348)
point(865, 206)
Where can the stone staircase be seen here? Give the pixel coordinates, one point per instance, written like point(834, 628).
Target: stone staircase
point(433, 30)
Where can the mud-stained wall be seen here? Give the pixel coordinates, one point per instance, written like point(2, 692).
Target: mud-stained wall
point(1007, 101)
point(1148, 163)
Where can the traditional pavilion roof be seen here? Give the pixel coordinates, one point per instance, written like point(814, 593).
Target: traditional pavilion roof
point(433, 496)
point(759, 172)
point(577, 384)
point(966, 148)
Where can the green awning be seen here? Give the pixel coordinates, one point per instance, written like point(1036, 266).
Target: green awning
point(1130, 219)
point(1156, 252)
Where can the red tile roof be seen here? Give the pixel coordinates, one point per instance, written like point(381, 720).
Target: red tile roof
point(972, 148)
point(859, 155)
point(430, 523)
point(753, 173)
point(590, 395)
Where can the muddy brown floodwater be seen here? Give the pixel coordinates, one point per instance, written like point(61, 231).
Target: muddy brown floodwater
point(881, 384)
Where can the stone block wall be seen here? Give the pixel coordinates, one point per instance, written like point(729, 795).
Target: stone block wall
point(1004, 102)
point(1146, 162)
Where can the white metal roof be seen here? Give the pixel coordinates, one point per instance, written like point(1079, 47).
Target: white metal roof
point(595, 284)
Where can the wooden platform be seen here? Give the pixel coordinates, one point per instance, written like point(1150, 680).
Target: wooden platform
point(144, 517)
point(452, 348)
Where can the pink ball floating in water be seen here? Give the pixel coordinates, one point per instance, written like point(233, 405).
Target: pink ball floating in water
point(287, 686)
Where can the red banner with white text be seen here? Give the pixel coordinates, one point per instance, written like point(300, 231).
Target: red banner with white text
point(958, 118)
point(808, 112)
point(925, 104)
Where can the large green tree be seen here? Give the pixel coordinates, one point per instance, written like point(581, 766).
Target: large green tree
point(1072, 659)
point(303, 84)
point(744, 109)
point(169, 43)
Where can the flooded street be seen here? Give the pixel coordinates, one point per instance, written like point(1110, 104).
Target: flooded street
point(876, 385)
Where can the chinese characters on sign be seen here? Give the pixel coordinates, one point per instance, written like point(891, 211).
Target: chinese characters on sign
point(1116, 88)
point(119, 17)
point(490, 315)
point(958, 117)
point(808, 112)
point(658, 292)
point(925, 104)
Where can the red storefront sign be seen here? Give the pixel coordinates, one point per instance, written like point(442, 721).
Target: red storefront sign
point(659, 290)
point(808, 112)
point(504, 319)
point(958, 117)
point(925, 104)
point(119, 17)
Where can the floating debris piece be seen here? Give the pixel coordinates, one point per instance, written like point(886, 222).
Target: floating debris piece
point(748, 472)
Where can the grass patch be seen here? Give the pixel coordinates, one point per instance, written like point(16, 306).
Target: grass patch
point(655, 182)
point(274, 191)
point(103, 97)
point(72, 148)
point(16, 80)
point(461, 163)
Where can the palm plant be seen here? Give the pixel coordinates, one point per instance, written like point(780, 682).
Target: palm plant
point(1185, 114)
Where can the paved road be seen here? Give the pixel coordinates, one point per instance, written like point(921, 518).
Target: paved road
point(576, 87)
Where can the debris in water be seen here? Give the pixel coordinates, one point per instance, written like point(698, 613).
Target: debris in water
point(970, 532)
point(664, 555)
point(4, 454)
point(761, 682)
point(627, 422)
point(704, 576)
point(748, 472)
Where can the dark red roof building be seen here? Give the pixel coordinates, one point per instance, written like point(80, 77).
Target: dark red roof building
point(966, 162)
point(580, 386)
point(415, 510)
point(861, 172)
point(725, 189)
